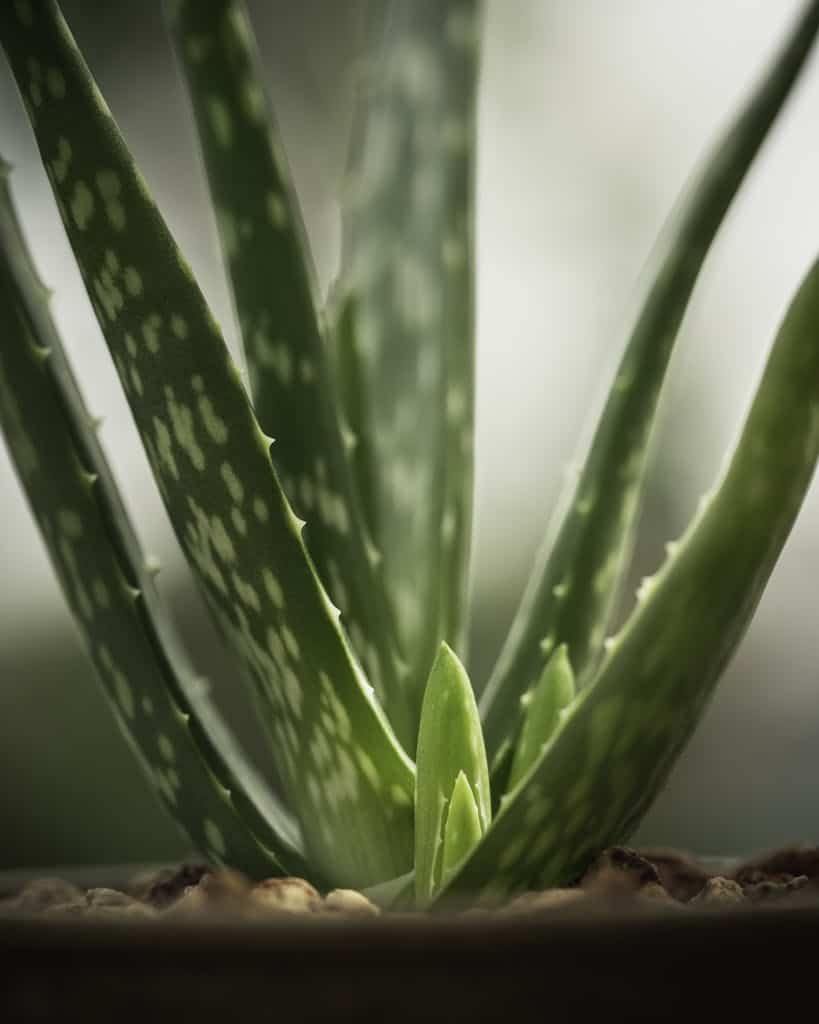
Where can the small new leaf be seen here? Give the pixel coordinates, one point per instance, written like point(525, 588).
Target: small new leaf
point(551, 694)
point(462, 829)
point(450, 744)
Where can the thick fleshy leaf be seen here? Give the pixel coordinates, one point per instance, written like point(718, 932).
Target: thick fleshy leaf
point(449, 743)
point(614, 750)
point(271, 275)
point(185, 750)
point(404, 307)
point(575, 580)
point(544, 706)
point(341, 766)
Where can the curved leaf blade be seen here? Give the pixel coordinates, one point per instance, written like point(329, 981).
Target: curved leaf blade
point(570, 593)
point(622, 735)
point(340, 764)
point(181, 743)
point(269, 266)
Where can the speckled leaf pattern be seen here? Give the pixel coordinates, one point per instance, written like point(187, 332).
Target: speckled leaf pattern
point(342, 768)
point(186, 753)
point(450, 744)
point(405, 303)
point(271, 274)
point(570, 592)
point(615, 749)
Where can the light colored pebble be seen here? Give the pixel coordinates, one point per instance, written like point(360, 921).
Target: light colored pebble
point(286, 895)
point(348, 901)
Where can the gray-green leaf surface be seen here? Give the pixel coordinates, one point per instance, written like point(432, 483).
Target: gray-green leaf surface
point(404, 308)
point(184, 749)
point(343, 770)
point(271, 274)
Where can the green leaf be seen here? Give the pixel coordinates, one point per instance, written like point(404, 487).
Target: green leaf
point(394, 894)
point(269, 266)
point(182, 745)
point(449, 743)
point(544, 705)
point(405, 305)
point(462, 829)
point(341, 766)
point(613, 752)
point(576, 577)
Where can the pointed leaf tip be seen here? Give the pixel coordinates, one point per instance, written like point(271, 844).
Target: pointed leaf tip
point(462, 829)
point(618, 742)
point(592, 542)
point(554, 690)
point(450, 744)
point(196, 421)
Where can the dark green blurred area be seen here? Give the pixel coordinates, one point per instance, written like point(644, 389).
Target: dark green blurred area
point(73, 792)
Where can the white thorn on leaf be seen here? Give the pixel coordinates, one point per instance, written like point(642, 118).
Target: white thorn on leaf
point(152, 565)
point(349, 439)
point(547, 644)
point(199, 686)
point(646, 586)
point(373, 554)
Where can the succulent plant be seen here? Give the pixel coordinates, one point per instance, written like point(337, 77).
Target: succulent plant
point(335, 561)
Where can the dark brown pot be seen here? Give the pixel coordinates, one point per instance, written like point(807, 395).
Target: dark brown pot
point(687, 964)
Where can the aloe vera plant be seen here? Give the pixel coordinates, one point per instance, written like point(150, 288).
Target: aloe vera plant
point(334, 562)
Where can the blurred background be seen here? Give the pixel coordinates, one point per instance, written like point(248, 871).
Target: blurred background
point(592, 115)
